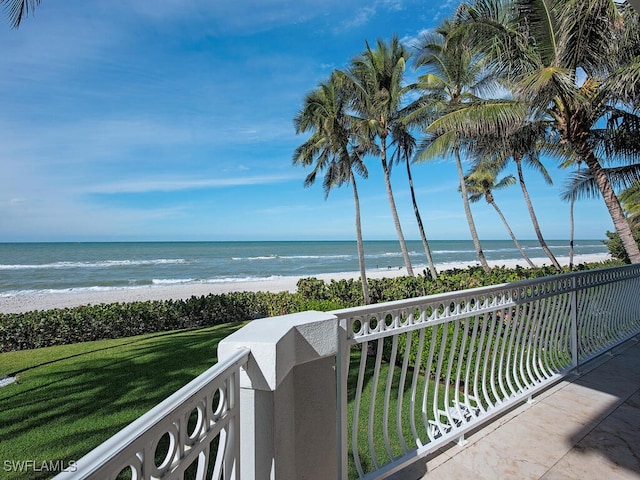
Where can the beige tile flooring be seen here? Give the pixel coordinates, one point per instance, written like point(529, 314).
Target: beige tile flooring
point(585, 427)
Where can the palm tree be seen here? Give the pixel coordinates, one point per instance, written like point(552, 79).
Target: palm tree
point(570, 60)
point(375, 83)
point(332, 148)
point(522, 146)
point(18, 9)
point(405, 145)
point(572, 202)
point(480, 184)
point(453, 74)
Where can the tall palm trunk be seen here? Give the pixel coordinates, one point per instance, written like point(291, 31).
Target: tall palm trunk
point(467, 211)
point(425, 243)
point(394, 211)
point(532, 214)
point(571, 230)
point(572, 223)
point(492, 202)
point(363, 270)
point(613, 205)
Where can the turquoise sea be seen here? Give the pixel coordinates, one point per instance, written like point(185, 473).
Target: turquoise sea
point(50, 267)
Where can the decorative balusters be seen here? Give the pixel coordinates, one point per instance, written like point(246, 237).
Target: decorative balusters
point(447, 363)
point(198, 423)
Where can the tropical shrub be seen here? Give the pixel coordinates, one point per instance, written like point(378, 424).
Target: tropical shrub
point(614, 244)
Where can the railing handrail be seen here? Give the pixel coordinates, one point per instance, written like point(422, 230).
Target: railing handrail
point(604, 276)
point(132, 433)
point(489, 348)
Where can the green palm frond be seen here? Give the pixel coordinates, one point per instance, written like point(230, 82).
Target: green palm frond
point(497, 117)
point(622, 177)
point(403, 143)
point(436, 146)
point(586, 39)
point(627, 34)
point(630, 201)
point(505, 182)
point(545, 85)
point(17, 10)
point(620, 140)
point(540, 19)
point(582, 184)
point(430, 81)
point(579, 184)
point(624, 83)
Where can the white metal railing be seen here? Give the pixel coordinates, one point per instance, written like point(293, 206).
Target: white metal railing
point(195, 430)
point(418, 373)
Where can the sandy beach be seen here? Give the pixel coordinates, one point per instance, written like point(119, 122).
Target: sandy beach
point(28, 302)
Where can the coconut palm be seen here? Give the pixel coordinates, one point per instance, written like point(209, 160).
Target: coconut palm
point(332, 148)
point(480, 184)
point(571, 197)
point(18, 9)
point(405, 144)
point(521, 146)
point(571, 60)
point(454, 73)
point(375, 83)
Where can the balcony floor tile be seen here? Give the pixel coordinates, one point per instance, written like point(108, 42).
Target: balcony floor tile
point(585, 427)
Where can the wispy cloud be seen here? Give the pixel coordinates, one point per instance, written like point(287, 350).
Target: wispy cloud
point(361, 18)
point(445, 8)
point(239, 17)
point(412, 41)
point(365, 14)
point(180, 184)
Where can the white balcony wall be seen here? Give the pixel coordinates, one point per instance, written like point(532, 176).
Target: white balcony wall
point(288, 398)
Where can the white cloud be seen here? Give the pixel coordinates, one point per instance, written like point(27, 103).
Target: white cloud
point(361, 18)
point(393, 4)
point(412, 41)
point(179, 184)
point(364, 14)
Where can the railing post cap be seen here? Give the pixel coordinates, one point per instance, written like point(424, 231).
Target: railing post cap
point(278, 344)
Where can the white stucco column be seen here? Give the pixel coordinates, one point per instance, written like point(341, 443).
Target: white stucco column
point(288, 412)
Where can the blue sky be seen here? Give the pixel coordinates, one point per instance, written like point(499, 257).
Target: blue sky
point(172, 120)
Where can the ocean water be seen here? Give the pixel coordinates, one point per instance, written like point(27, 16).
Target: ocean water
point(52, 267)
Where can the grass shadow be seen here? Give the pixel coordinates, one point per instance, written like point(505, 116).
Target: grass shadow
point(60, 409)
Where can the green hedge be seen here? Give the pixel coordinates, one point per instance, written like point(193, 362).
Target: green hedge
point(20, 331)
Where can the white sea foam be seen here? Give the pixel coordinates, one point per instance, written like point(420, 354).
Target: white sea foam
point(242, 279)
point(100, 264)
point(172, 281)
point(292, 257)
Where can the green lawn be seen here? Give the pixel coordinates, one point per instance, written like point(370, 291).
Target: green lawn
point(68, 399)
